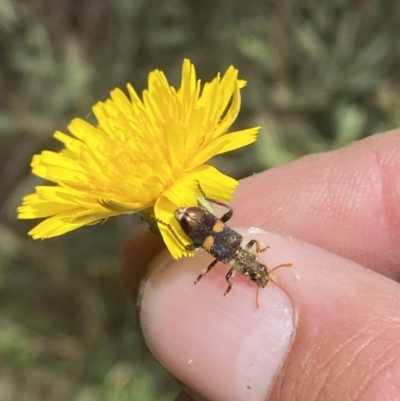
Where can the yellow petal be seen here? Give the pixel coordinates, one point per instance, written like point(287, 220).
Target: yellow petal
point(56, 225)
point(238, 139)
point(215, 184)
point(144, 151)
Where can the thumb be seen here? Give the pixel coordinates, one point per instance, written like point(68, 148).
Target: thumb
point(329, 331)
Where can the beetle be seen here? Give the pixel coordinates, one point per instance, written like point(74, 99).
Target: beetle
point(210, 232)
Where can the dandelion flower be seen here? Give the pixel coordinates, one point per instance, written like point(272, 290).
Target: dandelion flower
point(146, 155)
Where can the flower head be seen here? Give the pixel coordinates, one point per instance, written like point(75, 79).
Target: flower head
point(146, 155)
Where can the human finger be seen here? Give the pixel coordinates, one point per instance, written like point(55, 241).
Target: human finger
point(345, 201)
point(330, 331)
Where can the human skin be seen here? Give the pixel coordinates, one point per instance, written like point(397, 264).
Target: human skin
point(328, 328)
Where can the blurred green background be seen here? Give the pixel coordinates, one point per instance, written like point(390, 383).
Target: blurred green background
point(320, 75)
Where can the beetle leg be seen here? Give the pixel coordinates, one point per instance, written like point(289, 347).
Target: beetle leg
point(208, 269)
point(228, 276)
point(257, 245)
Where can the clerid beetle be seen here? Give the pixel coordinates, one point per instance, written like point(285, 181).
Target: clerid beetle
point(212, 234)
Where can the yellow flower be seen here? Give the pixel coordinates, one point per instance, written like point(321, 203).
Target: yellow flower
point(145, 156)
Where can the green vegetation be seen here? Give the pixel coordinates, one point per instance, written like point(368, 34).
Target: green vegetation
point(320, 75)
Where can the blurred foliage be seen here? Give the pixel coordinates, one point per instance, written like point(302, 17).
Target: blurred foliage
point(320, 75)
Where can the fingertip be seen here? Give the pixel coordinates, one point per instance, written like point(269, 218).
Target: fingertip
point(221, 347)
point(136, 254)
point(225, 348)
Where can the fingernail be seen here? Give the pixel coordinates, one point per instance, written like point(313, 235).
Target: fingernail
point(222, 347)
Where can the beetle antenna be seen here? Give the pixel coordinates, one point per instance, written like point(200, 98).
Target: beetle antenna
point(272, 279)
